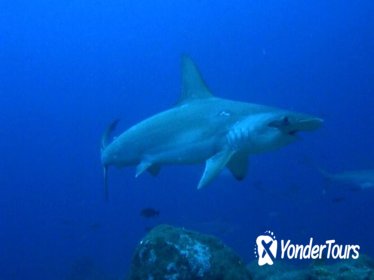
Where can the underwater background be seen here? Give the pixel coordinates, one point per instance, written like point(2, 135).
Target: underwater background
point(68, 68)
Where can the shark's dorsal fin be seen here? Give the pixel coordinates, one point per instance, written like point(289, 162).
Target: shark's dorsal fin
point(193, 85)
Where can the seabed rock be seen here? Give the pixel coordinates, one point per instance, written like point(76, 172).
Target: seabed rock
point(360, 269)
point(171, 253)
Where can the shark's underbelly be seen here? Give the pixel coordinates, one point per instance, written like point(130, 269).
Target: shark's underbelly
point(181, 152)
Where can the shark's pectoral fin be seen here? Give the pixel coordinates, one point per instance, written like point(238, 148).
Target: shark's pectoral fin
point(214, 165)
point(238, 165)
point(146, 165)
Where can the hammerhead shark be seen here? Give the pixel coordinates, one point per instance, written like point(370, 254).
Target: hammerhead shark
point(203, 128)
point(359, 179)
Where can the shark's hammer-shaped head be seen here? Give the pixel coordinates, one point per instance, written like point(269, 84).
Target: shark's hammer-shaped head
point(267, 131)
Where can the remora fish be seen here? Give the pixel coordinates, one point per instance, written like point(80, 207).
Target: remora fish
point(203, 128)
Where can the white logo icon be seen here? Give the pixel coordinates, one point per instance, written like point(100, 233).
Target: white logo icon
point(266, 248)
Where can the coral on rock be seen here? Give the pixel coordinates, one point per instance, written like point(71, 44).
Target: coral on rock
point(172, 253)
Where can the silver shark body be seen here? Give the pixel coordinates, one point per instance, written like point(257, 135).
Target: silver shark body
point(203, 128)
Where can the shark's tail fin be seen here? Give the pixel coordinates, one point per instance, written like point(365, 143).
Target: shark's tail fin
point(104, 143)
point(106, 188)
point(107, 133)
point(328, 177)
point(324, 173)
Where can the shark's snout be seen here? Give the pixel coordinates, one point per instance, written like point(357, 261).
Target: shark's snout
point(309, 124)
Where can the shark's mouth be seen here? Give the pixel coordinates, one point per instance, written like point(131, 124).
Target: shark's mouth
point(293, 132)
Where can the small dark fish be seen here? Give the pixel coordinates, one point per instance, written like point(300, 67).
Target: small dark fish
point(149, 213)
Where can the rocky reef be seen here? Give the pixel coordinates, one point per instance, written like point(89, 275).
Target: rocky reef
point(172, 253)
point(360, 269)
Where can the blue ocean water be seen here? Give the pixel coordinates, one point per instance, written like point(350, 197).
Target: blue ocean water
point(68, 68)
